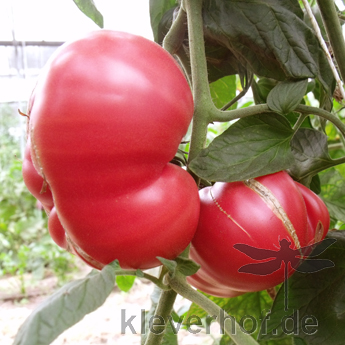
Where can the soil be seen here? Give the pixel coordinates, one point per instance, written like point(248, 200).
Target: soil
point(103, 326)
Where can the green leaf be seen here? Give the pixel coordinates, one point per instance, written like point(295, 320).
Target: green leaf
point(89, 8)
point(315, 184)
point(286, 96)
point(125, 283)
point(262, 88)
point(248, 310)
point(186, 266)
point(333, 193)
point(278, 44)
point(226, 340)
point(157, 10)
point(315, 299)
point(223, 91)
point(310, 149)
point(253, 146)
point(171, 265)
point(66, 307)
point(299, 341)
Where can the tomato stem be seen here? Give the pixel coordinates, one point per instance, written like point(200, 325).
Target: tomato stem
point(178, 283)
point(203, 104)
point(174, 38)
point(334, 32)
point(164, 309)
point(153, 279)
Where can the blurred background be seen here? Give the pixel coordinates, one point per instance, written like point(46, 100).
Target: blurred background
point(30, 31)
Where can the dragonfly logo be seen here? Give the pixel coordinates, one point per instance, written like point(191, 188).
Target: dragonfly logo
point(295, 259)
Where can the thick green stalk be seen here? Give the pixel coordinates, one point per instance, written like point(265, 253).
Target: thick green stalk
point(225, 116)
point(234, 331)
point(202, 100)
point(334, 32)
point(164, 309)
point(203, 105)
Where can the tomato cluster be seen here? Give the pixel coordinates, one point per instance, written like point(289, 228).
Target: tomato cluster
point(106, 117)
point(259, 213)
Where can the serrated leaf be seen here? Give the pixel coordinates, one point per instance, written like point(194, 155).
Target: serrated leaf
point(66, 307)
point(286, 96)
point(223, 91)
point(310, 150)
point(314, 298)
point(89, 8)
point(252, 147)
point(333, 193)
point(157, 10)
point(125, 283)
point(278, 44)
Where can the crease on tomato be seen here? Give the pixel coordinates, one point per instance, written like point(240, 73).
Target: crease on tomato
point(273, 203)
point(227, 214)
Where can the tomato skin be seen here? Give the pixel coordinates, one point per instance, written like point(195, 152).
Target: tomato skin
point(318, 215)
point(154, 219)
point(233, 213)
point(34, 182)
point(106, 117)
point(56, 231)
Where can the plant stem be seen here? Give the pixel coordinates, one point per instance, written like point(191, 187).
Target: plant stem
point(337, 146)
point(321, 40)
point(203, 104)
point(176, 34)
point(237, 335)
point(153, 279)
point(299, 122)
point(224, 116)
point(304, 109)
point(334, 32)
point(164, 309)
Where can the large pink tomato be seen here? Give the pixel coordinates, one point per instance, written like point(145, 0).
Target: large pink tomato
point(247, 230)
point(106, 117)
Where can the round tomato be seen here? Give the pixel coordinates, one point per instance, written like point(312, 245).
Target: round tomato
point(253, 224)
point(107, 115)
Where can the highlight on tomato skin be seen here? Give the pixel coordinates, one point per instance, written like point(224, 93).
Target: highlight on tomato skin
point(104, 126)
point(260, 213)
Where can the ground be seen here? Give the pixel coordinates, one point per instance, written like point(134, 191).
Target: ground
point(103, 326)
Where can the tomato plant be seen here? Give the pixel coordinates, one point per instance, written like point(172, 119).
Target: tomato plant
point(258, 213)
point(103, 126)
point(106, 119)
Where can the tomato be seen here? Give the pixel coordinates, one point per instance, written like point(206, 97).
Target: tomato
point(107, 115)
point(261, 213)
point(34, 182)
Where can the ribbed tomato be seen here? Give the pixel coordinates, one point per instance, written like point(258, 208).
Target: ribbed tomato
point(263, 214)
point(106, 117)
